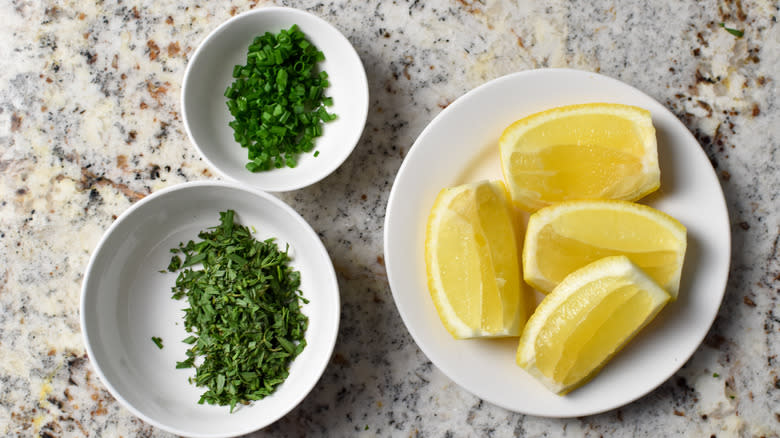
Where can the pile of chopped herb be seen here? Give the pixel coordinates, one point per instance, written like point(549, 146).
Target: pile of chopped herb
point(278, 99)
point(244, 313)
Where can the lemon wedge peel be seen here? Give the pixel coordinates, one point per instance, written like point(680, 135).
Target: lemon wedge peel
point(564, 237)
point(584, 151)
point(556, 310)
point(490, 299)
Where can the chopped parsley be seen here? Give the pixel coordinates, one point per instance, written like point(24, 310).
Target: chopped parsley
point(244, 316)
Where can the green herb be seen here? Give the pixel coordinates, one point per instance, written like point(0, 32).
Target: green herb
point(715, 375)
point(278, 99)
point(157, 341)
point(736, 32)
point(175, 264)
point(244, 315)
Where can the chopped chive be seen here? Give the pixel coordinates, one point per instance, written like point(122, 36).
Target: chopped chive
point(157, 341)
point(736, 32)
point(278, 99)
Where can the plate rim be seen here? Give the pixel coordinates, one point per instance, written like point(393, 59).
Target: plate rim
point(416, 147)
point(278, 203)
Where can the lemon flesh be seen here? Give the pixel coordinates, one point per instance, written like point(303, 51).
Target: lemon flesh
point(588, 151)
point(586, 320)
point(567, 236)
point(472, 262)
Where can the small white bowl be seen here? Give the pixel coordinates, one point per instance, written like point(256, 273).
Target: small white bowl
point(209, 73)
point(125, 301)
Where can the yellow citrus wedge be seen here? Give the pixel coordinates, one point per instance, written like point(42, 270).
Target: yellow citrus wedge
point(565, 237)
point(588, 151)
point(473, 264)
point(586, 320)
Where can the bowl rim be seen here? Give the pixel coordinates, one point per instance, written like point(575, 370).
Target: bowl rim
point(88, 273)
point(362, 84)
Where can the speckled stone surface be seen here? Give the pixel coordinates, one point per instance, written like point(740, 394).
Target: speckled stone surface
point(90, 123)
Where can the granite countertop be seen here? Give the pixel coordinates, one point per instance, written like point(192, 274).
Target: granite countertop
point(90, 123)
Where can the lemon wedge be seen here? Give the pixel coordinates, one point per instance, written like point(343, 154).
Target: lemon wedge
point(587, 151)
point(586, 320)
point(567, 236)
point(473, 264)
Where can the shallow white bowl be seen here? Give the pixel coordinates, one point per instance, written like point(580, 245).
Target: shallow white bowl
point(209, 73)
point(125, 301)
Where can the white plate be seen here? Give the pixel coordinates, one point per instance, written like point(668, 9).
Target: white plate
point(125, 301)
point(209, 73)
point(461, 145)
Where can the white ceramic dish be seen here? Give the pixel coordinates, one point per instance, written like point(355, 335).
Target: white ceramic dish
point(209, 73)
point(125, 301)
point(461, 145)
